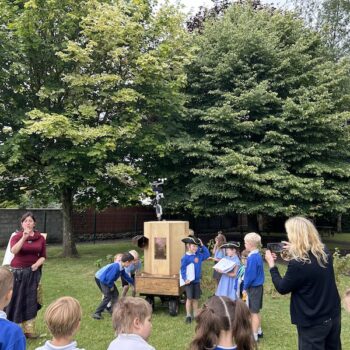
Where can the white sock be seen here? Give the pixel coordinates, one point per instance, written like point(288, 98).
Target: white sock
point(256, 336)
point(259, 330)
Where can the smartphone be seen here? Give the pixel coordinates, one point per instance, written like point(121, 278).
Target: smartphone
point(275, 247)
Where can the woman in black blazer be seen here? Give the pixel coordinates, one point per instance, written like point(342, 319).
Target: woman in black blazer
point(315, 302)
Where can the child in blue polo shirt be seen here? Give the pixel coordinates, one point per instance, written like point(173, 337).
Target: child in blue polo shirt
point(196, 254)
point(11, 334)
point(105, 279)
point(131, 270)
point(254, 278)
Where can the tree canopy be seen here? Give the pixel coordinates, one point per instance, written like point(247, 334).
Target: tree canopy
point(90, 96)
point(268, 110)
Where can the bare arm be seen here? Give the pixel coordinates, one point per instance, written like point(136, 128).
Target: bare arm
point(234, 272)
point(18, 246)
point(38, 263)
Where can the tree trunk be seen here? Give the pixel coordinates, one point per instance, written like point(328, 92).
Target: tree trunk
point(339, 223)
point(69, 248)
point(260, 219)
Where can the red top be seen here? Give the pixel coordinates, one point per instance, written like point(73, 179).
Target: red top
point(33, 249)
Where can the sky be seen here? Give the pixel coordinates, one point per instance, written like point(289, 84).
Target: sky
point(193, 5)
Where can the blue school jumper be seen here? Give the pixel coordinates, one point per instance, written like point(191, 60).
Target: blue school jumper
point(11, 335)
point(196, 259)
point(254, 273)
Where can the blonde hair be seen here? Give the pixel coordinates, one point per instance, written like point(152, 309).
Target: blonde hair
point(221, 238)
point(253, 238)
point(134, 253)
point(118, 257)
point(127, 310)
point(62, 317)
point(6, 281)
point(304, 238)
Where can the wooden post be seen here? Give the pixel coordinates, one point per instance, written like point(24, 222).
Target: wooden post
point(260, 218)
point(339, 223)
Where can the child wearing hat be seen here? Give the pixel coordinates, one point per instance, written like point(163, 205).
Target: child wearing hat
point(227, 283)
point(196, 254)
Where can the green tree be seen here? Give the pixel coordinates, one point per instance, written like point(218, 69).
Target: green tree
point(93, 92)
point(268, 110)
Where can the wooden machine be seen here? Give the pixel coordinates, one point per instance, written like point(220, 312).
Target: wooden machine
point(163, 250)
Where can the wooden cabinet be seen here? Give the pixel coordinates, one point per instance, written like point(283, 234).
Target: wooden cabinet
point(164, 251)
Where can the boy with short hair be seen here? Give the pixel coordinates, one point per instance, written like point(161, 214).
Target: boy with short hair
point(132, 322)
point(105, 279)
point(131, 270)
point(11, 335)
point(196, 254)
point(254, 278)
point(62, 318)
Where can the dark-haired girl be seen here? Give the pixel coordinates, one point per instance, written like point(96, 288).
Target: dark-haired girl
point(223, 324)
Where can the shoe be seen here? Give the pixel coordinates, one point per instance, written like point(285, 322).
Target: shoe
point(261, 335)
point(188, 319)
point(97, 316)
point(31, 335)
point(109, 310)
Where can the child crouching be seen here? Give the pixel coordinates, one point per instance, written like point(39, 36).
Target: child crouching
point(131, 270)
point(62, 318)
point(132, 323)
point(105, 279)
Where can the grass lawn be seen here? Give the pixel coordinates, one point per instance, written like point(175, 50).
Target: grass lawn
point(75, 277)
point(338, 237)
point(343, 237)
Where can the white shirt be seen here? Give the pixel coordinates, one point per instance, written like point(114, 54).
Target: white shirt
point(49, 346)
point(129, 341)
point(255, 251)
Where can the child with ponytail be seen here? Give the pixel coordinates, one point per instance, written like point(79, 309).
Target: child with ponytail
point(223, 324)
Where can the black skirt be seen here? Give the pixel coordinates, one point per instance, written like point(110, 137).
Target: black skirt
point(24, 304)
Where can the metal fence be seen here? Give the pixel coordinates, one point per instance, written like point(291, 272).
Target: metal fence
point(110, 223)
